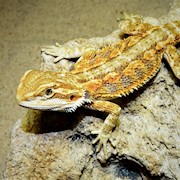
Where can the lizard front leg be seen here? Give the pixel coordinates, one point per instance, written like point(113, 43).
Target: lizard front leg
point(77, 47)
point(109, 124)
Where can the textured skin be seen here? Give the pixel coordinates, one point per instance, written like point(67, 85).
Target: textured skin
point(105, 74)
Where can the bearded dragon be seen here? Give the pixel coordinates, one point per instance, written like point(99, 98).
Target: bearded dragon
point(105, 74)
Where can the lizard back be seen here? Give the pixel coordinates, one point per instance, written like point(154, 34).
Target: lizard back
point(117, 70)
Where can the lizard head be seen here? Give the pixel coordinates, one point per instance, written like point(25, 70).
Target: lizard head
point(47, 90)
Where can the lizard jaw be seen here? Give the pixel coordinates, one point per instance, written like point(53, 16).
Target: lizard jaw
point(54, 104)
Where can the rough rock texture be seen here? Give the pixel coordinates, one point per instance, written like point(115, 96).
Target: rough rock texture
point(147, 142)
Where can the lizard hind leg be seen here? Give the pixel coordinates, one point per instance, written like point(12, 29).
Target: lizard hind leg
point(172, 56)
point(111, 122)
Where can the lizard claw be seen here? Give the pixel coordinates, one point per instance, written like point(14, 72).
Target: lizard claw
point(58, 51)
point(102, 139)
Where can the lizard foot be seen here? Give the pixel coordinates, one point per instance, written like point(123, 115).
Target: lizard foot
point(51, 50)
point(58, 51)
point(102, 138)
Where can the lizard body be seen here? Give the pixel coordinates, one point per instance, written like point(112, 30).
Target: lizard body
point(101, 75)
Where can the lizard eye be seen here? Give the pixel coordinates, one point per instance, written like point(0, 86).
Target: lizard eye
point(48, 93)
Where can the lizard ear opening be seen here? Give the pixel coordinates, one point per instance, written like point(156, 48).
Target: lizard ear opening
point(75, 98)
point(71, 97)
point(86, 95)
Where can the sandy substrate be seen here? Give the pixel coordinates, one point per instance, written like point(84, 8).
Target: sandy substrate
point(26, 26)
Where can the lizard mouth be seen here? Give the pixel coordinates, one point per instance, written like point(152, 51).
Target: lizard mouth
point(38, 106)
point(55, 104)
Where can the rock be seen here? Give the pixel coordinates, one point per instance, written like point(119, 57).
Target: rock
point(147, 144)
